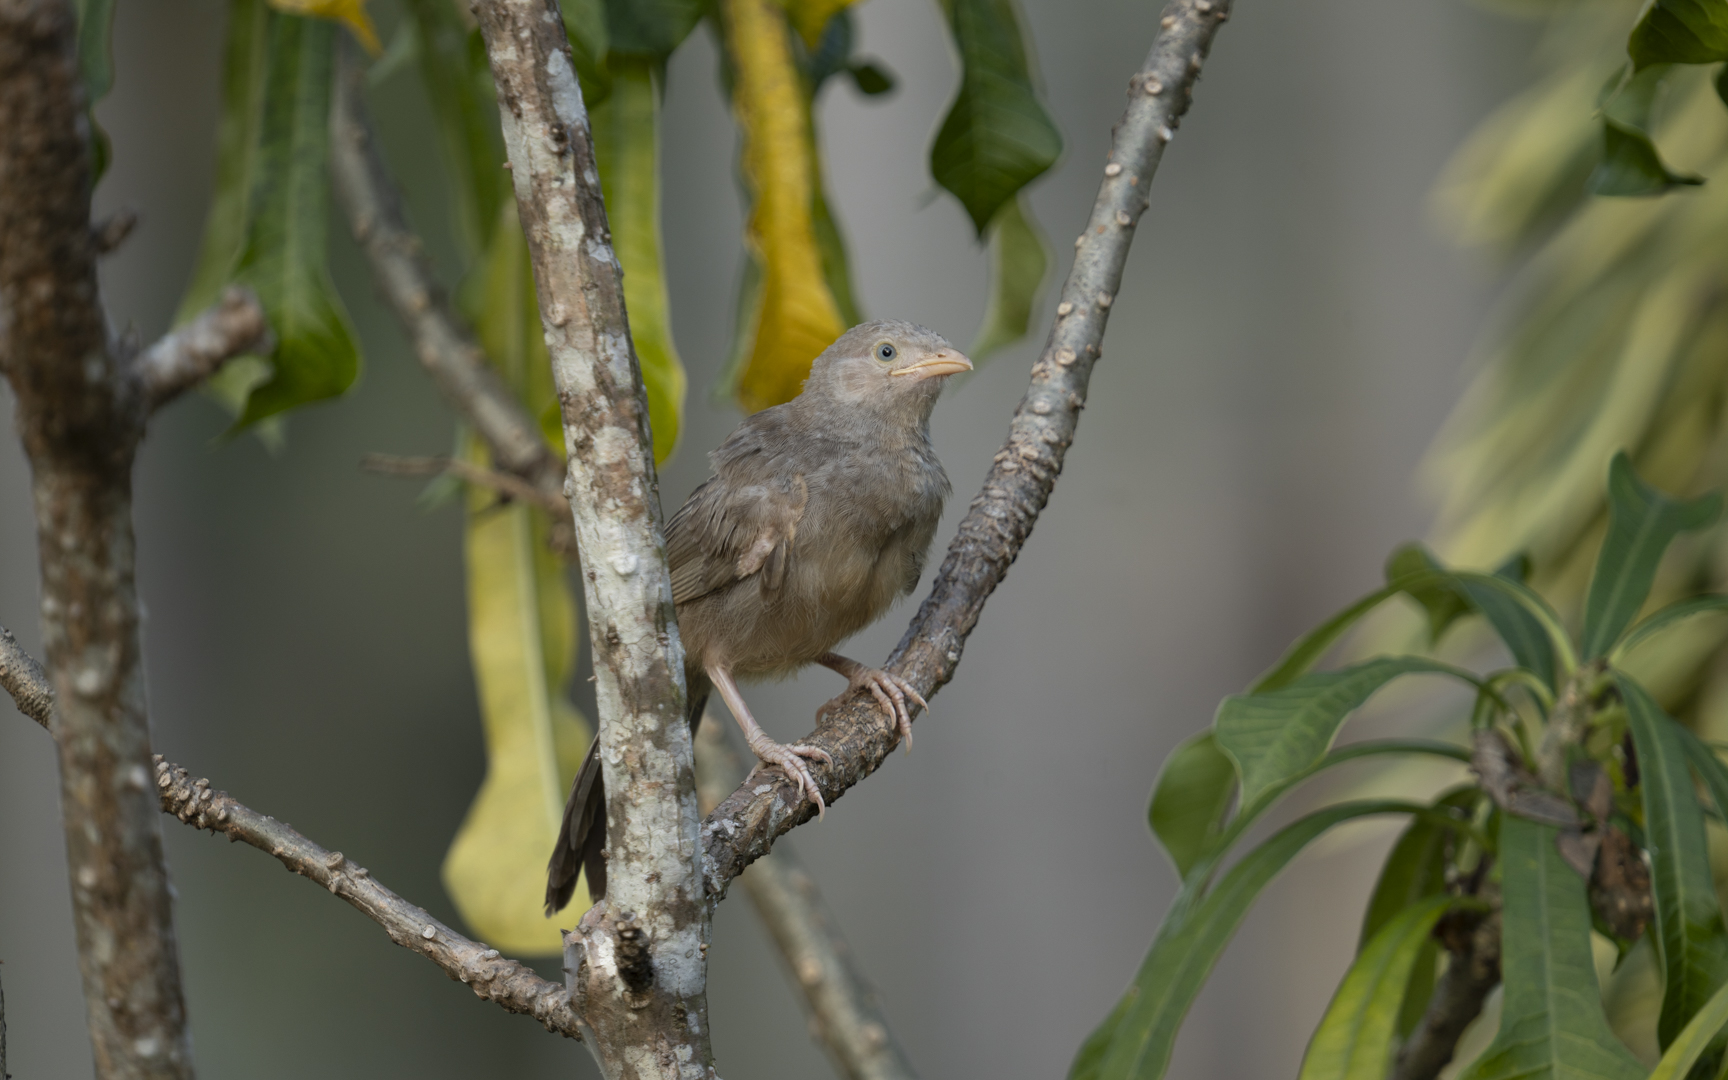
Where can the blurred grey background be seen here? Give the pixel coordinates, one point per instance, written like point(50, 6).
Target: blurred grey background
point(1290, 333)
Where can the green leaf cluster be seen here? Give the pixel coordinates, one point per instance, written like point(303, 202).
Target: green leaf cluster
point(1499, 853)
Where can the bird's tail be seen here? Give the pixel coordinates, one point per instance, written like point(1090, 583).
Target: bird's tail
point(581, 845)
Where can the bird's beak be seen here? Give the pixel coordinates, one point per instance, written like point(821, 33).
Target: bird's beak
point(946, 362)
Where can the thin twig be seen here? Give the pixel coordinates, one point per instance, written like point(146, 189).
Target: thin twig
point(506, 484)
point(403, 273)
point(844, 1011)
point(233, 326)
point(640, 979)
point(81, 411)
point(193, 801)
point(745, 825)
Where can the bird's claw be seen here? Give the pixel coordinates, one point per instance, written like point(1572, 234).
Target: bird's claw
point(890, 692)
point(790, 759)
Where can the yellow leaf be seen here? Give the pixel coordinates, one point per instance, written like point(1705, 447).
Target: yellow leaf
point(626, 141)
point(350, 13)
point(810, 17)
point(522, 639)
point(796, 316)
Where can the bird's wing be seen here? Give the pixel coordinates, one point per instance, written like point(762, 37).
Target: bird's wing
point(729, 530)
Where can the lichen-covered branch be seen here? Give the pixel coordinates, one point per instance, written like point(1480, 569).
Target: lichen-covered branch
point(638, 978)
point(233, 326)
point(745, 825)
point(399, 265)
point(194, 802)
point(844, 1012)
point(80, 414)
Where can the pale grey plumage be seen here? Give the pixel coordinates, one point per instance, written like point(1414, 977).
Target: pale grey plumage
point(818, 517)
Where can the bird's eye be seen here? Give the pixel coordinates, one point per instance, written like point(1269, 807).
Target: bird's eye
point(885, 351)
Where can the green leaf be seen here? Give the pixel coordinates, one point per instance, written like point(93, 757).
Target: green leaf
point(1630, 164)
point(1090, 1059)
point(1194, 792)
point(1680, 32)
point(522, 640)
point(96, 71)
point(1356, 1037)
point(1018, 263)
point(1439, 597)
point(1551, 1019)
point(651, 28)
point(237, 132)
point(626, 141)
point(871, 78)
point(459, 86)
point(1643, 523)
point(1310, 647)
point(1277, 734)
point(1690, 938)
point(997, 137)
point(1190, 941)
point(316, 354)
point(1707, 765)
point(1511, 616)
point(1678, 611)
point(1683, 1053)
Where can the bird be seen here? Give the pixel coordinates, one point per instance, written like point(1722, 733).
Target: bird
point(817, 518)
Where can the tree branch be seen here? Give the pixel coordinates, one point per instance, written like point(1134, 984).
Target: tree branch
point(843, 1008)
point(639, 978)
point(745, 825)
point(81, 414)
point(233, 326)
point(1471, 972)
point(510, 984)
point(446, 349)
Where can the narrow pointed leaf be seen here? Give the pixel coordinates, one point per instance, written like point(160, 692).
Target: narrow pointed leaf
point(1690, 939)
point(1551, 1022)
point(458, 86)
point(1310, 647)
point(1278, 734)
point(997, 137)
point(1530, 643)
point(626, 141)
point(1676, 612)
point(1190, 942)
point(1630, 163)
point(1643, 523)
point(316, 354)
point(522, 641)
point(1708, 766)
point(1018, 262)
point(1194, 792)
point(1680, 32)
point(1690, 1044)
point(1356, 1037)
point(1439, 597)
point(796, 315)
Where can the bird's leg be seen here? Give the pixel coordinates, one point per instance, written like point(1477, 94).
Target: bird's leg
point(789, 758)
point(890, 691)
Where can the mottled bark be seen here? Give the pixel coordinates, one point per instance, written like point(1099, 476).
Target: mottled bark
point(745, 825)
point(193, 801)
point(81, 413)
point(1471, 972)
point(233, 326)
point(638, 976)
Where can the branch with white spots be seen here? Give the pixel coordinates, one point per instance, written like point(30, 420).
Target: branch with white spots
point(233, 326)
point(193, 801)
point(637, 972)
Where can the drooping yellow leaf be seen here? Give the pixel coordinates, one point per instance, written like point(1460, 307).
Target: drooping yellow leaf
point(796, 316)
point(350, 13)
point(626, 141)
point(522, 639)
point(810, 17)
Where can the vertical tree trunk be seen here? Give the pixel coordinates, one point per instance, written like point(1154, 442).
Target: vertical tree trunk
point(81, 413)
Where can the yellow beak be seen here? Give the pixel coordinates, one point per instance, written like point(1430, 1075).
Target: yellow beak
point(943, 363)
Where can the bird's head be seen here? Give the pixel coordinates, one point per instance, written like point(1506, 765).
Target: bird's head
point(886, 369)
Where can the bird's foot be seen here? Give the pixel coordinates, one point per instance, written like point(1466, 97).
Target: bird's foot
point(890, 691)
point(790, 759)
